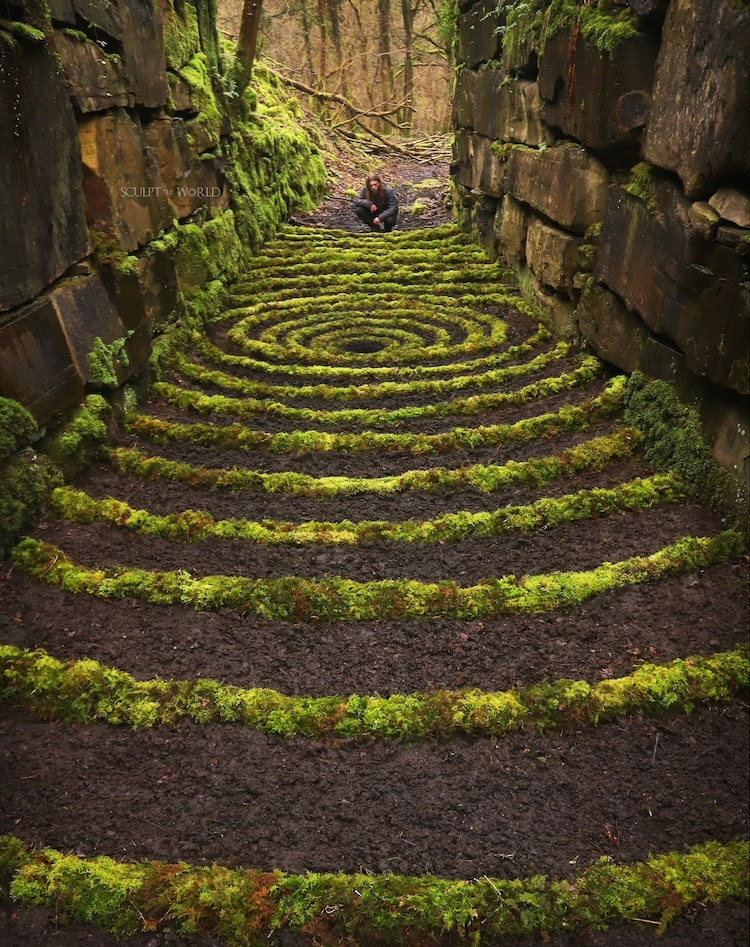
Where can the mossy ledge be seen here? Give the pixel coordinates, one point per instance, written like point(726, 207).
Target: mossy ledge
point(335, 599)
point(86, 691)
point(250, 908)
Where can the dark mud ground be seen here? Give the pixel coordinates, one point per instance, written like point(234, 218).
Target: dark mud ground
point(462, 808)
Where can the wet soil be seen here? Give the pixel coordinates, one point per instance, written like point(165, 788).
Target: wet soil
point(459, 808)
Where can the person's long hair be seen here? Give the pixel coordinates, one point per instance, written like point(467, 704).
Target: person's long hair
point(377, 199)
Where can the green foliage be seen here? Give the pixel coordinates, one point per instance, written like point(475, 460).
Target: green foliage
point(23, 31)
point(196, 525)
point(25, 483)
point(18, 428)
point(80, 437)
point(335, 599)
point(579, 417)
point(104, 359)
point(641, 184)
point(246, 908)
point(604, 25)
point(592, 454)
point(26, 477)
point(673, 439)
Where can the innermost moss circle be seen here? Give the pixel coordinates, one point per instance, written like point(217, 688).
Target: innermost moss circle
point(364, 346)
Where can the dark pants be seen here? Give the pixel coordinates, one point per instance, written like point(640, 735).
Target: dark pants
point(367, 217)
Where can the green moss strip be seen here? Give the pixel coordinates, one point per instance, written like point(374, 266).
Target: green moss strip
point(594, 454)
point(387, 389)
point(337, 599)
point(246, 908)
point(378, 417)
point(85, 691)
point(239, 437)
point(195, 525)
point(484, 363)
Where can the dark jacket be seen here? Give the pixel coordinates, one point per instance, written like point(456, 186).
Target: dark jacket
point(387, 205)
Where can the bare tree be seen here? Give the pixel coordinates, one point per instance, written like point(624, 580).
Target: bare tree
point(247, 42)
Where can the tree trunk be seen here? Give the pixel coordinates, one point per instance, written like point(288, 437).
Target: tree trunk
point(247, 42)
point(408, 14)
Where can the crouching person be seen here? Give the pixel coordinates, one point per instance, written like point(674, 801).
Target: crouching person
point(377, 205)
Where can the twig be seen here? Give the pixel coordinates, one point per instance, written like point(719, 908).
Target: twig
point(656, 743)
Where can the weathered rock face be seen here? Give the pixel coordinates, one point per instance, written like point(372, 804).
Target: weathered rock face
point(600, 100)
point(609, 162)
point(45, 232)
point(115, 204)
point(699, 125)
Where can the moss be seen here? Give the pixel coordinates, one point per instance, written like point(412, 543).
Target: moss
point(242, 907)
point(80, 436)
point(336, 599)
point(604, 25)
point(104, 361)
point(673, 439)
point(18, 428)
point(25, 483)
point(181, 35)
point(85, 691)
point(641, 184)
point(75, 34)
point(195, 73)
point(23, 31)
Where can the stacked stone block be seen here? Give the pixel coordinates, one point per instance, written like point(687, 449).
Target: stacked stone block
point(617, 181)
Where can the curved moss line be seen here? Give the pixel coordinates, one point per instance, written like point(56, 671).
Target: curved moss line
point(246, 908)
point(386, 389)
point(238, 437)
point(483, 363)
point(547, 512)
point(592, 455)
point(86, 691)
point(470, 406)
point(336, 599)
point(481, 332)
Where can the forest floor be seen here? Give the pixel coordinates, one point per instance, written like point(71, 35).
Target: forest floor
point(528, 804)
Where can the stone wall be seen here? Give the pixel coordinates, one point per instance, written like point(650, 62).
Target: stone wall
point(604, 150)
point(130, 183)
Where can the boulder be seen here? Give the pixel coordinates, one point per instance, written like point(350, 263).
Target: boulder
point(732, 205)
point(564, 183)
point(86, 312)
point(44, 233)
point(508, 111)
point(143, 50)
point(698, 127)
point(36, 365)
point(552, 255)
point(101, 18)
point(649, 8)
point(704, 220)
point(464, 172)
point(489, 167)
point(602, 101)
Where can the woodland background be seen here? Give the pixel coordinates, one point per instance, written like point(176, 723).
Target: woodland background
point(383, 65)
